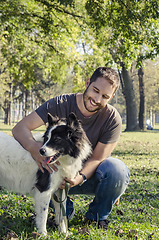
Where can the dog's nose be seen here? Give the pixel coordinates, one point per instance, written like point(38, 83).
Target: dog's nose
point(42, 151)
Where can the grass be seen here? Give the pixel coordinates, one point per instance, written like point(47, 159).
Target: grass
point(136, 217)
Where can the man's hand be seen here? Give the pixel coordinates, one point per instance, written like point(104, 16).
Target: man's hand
point(63, 185)
point(54, 167)
point(34, 151)
point(73, 181)
point(40, 160)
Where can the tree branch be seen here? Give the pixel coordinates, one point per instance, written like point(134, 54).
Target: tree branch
point(57, 8)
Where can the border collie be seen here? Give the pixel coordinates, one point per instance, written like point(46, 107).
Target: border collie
point(65, 141)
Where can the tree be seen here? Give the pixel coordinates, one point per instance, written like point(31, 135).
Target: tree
point(39, 34)
point(142, 112)
point(53, 31)
point(133, 25)
point(131, 111)
point(151, 71)
point(42, 33)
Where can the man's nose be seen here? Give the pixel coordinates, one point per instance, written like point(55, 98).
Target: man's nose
point(97, 98)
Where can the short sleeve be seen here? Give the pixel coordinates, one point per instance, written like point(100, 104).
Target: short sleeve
point(111, 130)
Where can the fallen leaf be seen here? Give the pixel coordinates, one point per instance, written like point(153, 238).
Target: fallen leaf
point(119, 212)
point(132, 234)
point(119, 233)
point(84, 231)
point(35, 235)
point(12, 236)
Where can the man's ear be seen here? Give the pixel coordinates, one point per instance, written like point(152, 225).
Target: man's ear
point(87, 82)
point(112, 97)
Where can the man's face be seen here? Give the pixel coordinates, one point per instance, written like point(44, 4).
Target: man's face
point(97, 94)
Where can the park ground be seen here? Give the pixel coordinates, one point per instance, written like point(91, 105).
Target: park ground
point(136, 216)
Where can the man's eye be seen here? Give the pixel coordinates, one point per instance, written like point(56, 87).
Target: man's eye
point(95, 90)
point(105, 97)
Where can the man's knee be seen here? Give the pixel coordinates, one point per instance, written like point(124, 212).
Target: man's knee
point(113, 168)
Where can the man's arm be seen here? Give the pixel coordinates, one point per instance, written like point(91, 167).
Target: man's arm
point(100, 153)
point(22, 133)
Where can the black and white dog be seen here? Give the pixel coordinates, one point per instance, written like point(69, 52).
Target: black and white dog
point(64, 140)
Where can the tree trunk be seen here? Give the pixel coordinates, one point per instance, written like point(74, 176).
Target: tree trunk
point(142, 115)
point(131, 112)
point(153, 120)
point(24, 104)
point(10, 104)
point(6, 111)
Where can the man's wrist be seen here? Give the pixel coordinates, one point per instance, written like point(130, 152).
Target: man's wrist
point(33, 145)
point(83, 177)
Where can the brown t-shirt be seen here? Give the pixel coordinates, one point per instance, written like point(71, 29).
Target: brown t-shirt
point(104, 126)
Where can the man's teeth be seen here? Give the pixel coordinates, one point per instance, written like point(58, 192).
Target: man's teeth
point(93, 103)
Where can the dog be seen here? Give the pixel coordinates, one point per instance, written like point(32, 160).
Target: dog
point(65, 141)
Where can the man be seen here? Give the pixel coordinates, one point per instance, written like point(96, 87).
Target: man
point(102, 176)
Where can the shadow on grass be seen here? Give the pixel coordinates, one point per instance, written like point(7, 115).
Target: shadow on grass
point(17, 225)
point(5, 130)
point(144, 187)
point(131, 152)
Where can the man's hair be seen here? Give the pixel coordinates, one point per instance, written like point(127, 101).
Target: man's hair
point(109, 74)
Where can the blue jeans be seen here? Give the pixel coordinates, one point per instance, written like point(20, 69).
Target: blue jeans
point(107, 184)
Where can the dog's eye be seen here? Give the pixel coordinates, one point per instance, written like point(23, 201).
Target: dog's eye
point(57, 139)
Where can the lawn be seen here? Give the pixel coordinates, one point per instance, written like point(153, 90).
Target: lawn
point(136, 217)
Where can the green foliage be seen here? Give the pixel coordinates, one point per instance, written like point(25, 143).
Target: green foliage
point(136, 216)
point(39, 34)
point(67, 37)
point(133, 26)
point(48, 33)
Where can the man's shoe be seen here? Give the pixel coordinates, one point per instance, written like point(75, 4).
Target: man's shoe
point(103, 224)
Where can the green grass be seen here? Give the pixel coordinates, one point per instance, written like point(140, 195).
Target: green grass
point(136, 217)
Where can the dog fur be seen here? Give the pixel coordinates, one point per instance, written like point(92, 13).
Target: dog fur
point(64, 140)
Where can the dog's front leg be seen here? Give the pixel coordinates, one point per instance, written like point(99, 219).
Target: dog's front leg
point(60, 210)
point(41, 208)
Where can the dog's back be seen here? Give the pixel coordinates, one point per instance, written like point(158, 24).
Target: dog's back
point(16, 164)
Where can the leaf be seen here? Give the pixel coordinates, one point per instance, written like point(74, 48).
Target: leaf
point(84, 231)
point(119, 212)
point(35, 235)
point(132, 234)
point(119, 233)
point(12, 236)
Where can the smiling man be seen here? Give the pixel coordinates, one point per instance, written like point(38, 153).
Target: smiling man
point(96, 95)
point(102, 176)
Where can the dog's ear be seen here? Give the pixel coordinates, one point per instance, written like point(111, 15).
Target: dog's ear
point(72, 121)
point(69, 134)
point(52, 120)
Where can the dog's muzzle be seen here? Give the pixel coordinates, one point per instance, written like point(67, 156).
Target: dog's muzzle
point(42, 151)
point(50, 158)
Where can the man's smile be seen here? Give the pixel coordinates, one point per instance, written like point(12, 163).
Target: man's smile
point(93, 103)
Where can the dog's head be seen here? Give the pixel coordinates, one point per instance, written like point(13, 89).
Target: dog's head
point(62, 137)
